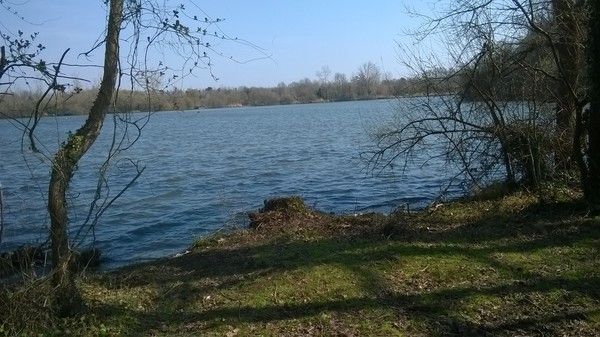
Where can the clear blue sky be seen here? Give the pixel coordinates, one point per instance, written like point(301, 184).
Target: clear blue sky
point(300, 36)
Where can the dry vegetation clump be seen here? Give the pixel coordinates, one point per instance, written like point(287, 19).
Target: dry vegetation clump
point(291, 215)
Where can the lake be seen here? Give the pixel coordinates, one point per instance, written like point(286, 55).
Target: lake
point(206, 169)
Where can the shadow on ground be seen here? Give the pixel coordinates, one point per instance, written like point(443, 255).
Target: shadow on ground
point(531, 272)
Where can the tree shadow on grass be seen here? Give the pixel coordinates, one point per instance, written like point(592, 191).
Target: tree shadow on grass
point(436, 309)
point(549, 223)
point(521, 294)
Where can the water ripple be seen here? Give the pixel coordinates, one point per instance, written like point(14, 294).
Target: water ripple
point(210, 169)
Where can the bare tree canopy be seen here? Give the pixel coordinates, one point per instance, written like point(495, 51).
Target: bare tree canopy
point(506, 99)
point(367, 79)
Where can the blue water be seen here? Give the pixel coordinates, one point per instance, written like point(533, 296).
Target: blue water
point(206, 169)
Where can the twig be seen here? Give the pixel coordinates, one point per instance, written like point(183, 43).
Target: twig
point(51, 86)
point(1, 213)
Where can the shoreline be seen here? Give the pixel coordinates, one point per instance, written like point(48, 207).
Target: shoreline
point(499, 266)
point(200, 108)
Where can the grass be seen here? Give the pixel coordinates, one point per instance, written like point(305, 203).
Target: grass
point(503, 267)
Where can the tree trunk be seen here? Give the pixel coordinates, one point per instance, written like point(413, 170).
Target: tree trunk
point(592, 185)
point(67, 297)
point(570, 56)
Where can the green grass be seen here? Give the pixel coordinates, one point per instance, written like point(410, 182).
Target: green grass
point(502, 267)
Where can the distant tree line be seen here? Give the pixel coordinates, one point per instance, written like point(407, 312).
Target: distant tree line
point(369, 82)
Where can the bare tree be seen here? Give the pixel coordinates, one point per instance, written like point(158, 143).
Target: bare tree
point(323, 74)
point(135, 31)
point(367, 79)
point(511, 100)
point(568, 47)
point(590, 166)
point(65, 161)
point(323, 77)
point(342, 88)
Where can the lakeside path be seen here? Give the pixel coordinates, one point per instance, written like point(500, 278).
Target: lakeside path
point(503, 267)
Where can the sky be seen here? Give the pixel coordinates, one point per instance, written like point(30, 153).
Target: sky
point(294, 38)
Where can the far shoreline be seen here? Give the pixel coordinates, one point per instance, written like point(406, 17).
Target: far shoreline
point(203, 108)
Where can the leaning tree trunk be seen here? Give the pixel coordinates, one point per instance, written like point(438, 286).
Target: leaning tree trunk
point(592, 185)
point(67, 297)
point(569, 60)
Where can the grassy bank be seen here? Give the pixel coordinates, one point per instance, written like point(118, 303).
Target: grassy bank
point(475, 268)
